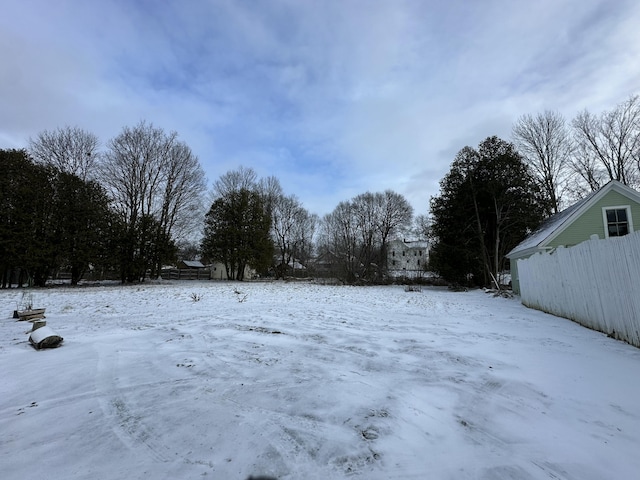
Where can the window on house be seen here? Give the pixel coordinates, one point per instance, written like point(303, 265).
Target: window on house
point(393, 253)
point(403, 252)
point(617, 221)
point(393, 262)
point(420, 252)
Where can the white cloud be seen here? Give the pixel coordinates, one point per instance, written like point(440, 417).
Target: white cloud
point(335, 98)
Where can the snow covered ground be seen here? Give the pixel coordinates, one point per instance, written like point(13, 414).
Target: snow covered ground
point(302, 381)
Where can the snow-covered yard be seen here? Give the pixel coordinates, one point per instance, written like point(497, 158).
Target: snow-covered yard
point(302, 381)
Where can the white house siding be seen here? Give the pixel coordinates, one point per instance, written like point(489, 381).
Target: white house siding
point(219, 272)
point(594, 283)
point(407, 258)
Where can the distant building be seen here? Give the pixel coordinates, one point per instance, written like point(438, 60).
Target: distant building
point(407, 258)
point(190, 264)
point(185, 270)
point(292, 268)
point(219, 272)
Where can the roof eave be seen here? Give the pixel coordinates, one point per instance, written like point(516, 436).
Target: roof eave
point(514, 254)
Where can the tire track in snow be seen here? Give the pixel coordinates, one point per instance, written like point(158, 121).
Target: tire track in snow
point(128, 426)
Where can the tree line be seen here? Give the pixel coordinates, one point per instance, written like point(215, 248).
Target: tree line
point(571, 159)
point(49, 218)
point(67, 206)
point(253, 223)
point(127, 210)
point(136, 205)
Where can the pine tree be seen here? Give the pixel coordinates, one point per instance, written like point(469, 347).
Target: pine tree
point(489, 201)
point(237, 233)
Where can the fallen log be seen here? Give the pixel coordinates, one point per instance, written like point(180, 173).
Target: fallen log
point(45, 337)
point(30, 314)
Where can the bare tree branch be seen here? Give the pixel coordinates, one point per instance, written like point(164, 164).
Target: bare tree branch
point(69, 149)
point(609, 145)
point(544, 141)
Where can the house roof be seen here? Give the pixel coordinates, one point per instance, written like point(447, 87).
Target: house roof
point(292, 263)
point(556, 224)
point(193, 263)
point(411, 243)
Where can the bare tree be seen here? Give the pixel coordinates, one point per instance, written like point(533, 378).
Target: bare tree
point(69, 149)
point(422, 227)
point(609, 144)
point(293, 228)
point(395, 213)
point(270, 189)
point(544, 141)
point(380, 216)
point(367, 216)
point(587, 168)
point(156, 184)
point(339, 240)
point(133, 169)
point(244, 178)
point(183, 182)
point(356, 232)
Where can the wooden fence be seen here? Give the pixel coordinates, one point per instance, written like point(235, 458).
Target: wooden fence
point(186, 274)
point(595, 283)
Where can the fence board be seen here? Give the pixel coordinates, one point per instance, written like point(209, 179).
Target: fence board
point(595, 283)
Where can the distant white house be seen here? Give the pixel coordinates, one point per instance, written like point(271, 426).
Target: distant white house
point(407, 258)
point(219, 272)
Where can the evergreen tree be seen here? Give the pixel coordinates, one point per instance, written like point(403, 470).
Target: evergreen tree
point(28, 235)
point(489, 201)
point(82, 228)
point(19, 177)
point(237, 233)
point(49, 220)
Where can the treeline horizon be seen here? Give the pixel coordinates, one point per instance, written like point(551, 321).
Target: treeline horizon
point(141, 203)
point(128, 211)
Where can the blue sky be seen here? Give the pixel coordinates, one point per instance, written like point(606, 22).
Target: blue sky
point(333, 97)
